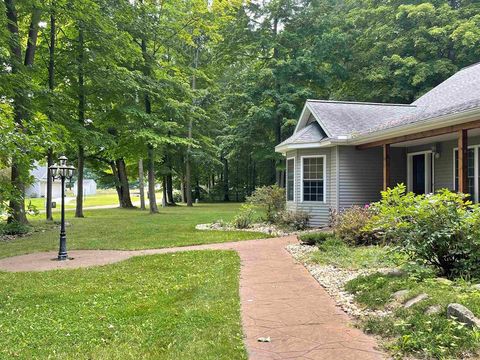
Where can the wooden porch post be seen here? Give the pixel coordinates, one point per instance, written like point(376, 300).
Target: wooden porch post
point(463, 161)
point(386, 166)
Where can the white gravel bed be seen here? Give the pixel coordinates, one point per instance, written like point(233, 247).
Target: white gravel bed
point(259, 227)
point(333, 279)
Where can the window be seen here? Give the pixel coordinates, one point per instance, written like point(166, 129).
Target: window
point(313, 178)
point(290, 179)
point(472, 168)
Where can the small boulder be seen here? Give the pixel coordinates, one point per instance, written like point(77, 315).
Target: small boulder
point(476, 287)
point(434, 309)
point(463, 315)
point(415, 300)
point(395, 272)
point(443, 281)
point(400, 294)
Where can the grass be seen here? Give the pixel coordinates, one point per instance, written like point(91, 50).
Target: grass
point(101, 198)
point(131, 229)
point(175, 306)
point(409, 331)
point(335, 252)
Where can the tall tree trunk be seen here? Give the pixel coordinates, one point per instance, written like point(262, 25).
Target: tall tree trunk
point(113, 166)
point(19, 169)
point(80, 177)
point(197, 190)
point(48, 206)
point(164, 191)
point(81, 120)
point(169, 184)
point(151, 180)
point(51, 87)
point(226, 185)
point(125, 200)
point(182, 190)
point(141, 185)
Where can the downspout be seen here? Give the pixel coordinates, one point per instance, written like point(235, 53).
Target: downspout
point(337, 179)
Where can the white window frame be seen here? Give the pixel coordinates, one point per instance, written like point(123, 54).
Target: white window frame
point(475, 170)
point(324, 157)
point(428, 184)
point(294, 180)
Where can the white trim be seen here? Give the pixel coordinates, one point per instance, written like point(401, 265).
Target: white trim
point(429, 167)
point(286, 178)
point(324, 157)
point(476, 171)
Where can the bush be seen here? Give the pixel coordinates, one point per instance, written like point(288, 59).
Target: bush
point(315, 238)
point(271, 199)
point(350, 226)
point(245, 218)
point(442, 229)
point(13, 228)
point(297, 220)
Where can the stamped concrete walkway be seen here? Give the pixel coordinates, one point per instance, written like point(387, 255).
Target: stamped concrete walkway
point(279, 299)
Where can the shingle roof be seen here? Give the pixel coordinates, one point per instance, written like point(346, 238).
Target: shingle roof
point(309, 134)
point(459, 93)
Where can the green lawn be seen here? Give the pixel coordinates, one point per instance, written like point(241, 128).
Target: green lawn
point(175, 306)
point(131, 229)
point(101, 198)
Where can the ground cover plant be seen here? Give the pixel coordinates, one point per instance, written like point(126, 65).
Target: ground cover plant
point(132, 229)
point(174, 306)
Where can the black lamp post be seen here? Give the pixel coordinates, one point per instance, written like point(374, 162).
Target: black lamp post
point(62, 171)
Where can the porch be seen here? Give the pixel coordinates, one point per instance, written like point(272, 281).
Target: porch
point(427, 161)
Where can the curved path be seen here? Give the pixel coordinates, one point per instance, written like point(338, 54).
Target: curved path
point(279, 299)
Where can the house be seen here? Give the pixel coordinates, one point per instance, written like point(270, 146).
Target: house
point(38, 188)
point(89, 187)
point(344, 153)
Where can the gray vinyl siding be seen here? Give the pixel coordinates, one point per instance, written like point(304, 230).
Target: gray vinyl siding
point(360, 176)
point(443, 166)
point(319, 211)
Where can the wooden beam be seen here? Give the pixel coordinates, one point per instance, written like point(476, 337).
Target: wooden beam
point(463, 161)
point(422, 134)
point(386, 166)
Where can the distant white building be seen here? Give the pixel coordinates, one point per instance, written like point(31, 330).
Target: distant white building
point(89, 187)
point(38, 188)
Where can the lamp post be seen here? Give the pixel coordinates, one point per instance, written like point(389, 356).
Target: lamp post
point(62, 171)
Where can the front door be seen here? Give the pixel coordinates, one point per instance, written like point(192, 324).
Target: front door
point(420, 173)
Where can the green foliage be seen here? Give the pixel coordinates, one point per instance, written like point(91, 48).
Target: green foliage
point(315, 238)
point(296, 220)
point(442, 229)
point(271, 199)
point(334, 251)
point(126, 310)
point(351, 226)
point(14, 228)
point(412, 331)
point(245, 218)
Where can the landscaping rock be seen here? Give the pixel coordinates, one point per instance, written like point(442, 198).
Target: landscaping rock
point(400, 294)
point(434, 309)
point(443, 281)
point(463, 315)
point(394, 272)
point(476, 287)
point(415, 300)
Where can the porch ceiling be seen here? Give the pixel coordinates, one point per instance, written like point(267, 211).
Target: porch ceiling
point(434, 139)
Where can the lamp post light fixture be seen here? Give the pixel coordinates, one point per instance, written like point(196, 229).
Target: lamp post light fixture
point(62, 171)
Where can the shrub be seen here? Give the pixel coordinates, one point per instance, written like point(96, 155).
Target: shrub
point(350, 226)
point(13, 228)
point(442, 229)
point(297, 220)
point(271, 199)
point(315, 238)
point(245, 218)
